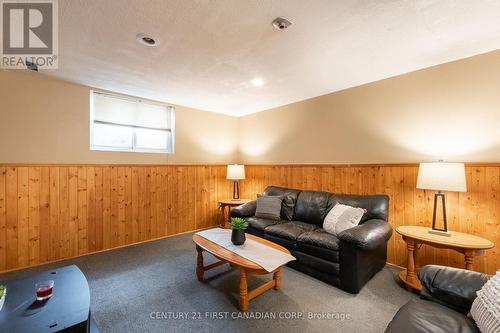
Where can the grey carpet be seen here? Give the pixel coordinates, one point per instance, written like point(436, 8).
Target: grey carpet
point(128, 284)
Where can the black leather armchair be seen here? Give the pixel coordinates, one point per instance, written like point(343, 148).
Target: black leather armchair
point(446, 299)
point(349, 260)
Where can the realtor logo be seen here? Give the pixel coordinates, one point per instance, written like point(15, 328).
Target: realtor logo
point(29, 34)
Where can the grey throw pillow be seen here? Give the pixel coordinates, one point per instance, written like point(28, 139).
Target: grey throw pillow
point(342, 217)
point(268, 207)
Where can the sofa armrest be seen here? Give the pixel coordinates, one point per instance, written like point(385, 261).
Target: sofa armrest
point(363, 252)
point(245, 210)
point(368, 235)
point(452, 287)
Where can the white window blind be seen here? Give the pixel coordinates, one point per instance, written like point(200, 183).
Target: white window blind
point(126, 124)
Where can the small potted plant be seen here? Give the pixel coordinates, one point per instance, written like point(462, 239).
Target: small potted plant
point(3, 292)
point(238, 234)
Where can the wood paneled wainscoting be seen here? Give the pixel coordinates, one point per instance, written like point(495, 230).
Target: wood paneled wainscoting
point(477, 211)
point(52, 212)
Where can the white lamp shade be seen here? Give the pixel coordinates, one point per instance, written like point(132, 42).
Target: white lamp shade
point(441, 176)
point(235, 172)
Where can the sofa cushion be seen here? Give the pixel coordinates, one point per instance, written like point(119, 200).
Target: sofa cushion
point(289, 230)
point(289, 197)
point(309, 267)
point(319, 252)
point(316, 263)
point(255, 232)
point(319, 243)
point(419, 316)
point(320, 238)
point(286, 243)
point(312, 206)
point(259, 223)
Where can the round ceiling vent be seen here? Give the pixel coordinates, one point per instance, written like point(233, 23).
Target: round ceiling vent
point(281, 23)
point(147, 40)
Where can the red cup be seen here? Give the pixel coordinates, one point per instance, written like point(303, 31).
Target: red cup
point(44, 290)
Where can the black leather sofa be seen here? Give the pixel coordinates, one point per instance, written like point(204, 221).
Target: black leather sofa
point(347, 261)
point(446, 298)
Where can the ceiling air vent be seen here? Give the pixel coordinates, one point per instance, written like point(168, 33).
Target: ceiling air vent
point(281, 23)
point(147, 40)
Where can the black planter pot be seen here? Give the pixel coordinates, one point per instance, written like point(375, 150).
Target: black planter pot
point(238, 236)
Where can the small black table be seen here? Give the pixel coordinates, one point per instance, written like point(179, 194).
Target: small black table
point(68, 310)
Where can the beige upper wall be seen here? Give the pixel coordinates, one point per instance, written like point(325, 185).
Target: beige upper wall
point(44, 120)
point(450, 112)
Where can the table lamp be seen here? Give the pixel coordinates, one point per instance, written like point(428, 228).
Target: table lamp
point(441, 176)
point(235, 172)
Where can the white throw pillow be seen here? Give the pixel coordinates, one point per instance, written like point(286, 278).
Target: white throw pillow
point(342, 217)
point(486, 307)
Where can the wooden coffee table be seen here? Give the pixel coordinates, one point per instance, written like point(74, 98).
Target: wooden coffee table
point(245, 266)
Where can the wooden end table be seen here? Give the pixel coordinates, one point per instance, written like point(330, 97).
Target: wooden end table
point(225, 206)
point(414, 236)
point(245, 266)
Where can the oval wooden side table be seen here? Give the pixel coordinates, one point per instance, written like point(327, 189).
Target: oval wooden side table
point(414, 236)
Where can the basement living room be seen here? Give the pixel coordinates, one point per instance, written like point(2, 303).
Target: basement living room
point(250, 166)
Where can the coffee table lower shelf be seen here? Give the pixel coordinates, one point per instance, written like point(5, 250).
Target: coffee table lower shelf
point(245, 295)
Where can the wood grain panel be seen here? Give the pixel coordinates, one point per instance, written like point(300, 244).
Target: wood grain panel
point(23, 215)
point(52, 212)
point(54, 229)
point(476, 211)
point(44, 231)
point(34, 175)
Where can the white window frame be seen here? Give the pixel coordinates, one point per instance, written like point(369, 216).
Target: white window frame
point(134, 149)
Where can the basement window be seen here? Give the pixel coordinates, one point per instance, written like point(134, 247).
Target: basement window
point(122, 123)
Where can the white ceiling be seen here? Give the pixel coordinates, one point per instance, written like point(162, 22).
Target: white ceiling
point(210, 50)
